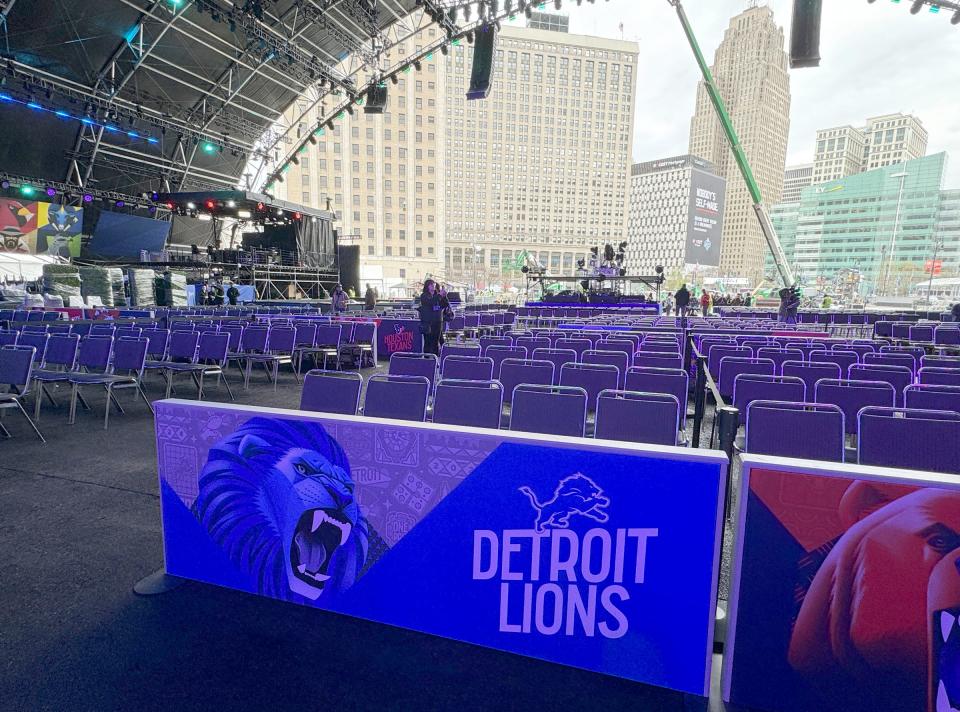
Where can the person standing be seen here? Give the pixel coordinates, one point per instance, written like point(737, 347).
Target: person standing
point(667, 305)
point(370, 299)
point(705, 302)
point(748, 300)
point(682, 300)
point(233, 294)
point(432, 305)
point(339, 300)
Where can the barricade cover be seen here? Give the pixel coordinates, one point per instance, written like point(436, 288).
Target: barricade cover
point(591, 554)
point(846, 589)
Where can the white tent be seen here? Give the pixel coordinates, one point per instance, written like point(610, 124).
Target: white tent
point(16, 267)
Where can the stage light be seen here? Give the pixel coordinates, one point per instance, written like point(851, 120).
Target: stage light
point(243, 214)
point(208, 147)
point(417, 65)
point(205, 217)
point(916, 7)
point(120, 203)
point(152, 139)
point(87, 198)
point(5, 97)
point(955, 20)
point(34, 105)
point(111, 129)
point(62, 114)
point(658, 269)
point(5, 184)
point(152, 209)
point(27, 190)
point(231, 203)
point(171, 205)
point(51, 192)
point(191, 206)
point(297, 216)
point(133, 134)
point(261, 206)
point(279, 212)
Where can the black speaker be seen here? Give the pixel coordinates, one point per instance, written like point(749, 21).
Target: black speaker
point(348, 257)
point(484, 49)
point(805, 34)
point(376, 100)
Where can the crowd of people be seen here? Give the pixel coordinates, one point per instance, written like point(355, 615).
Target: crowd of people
point(706, 301)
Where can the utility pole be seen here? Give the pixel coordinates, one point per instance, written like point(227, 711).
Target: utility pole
point(933, 266)
point(766, 226)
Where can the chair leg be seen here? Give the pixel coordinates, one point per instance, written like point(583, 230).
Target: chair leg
point(276, 375)
point(4, 431)
point(113, 399)
point(74, 396)
point(200, 385)
point(32, 424)
point(168, 374)
point(106, 410)
point(37, 401)
point(229, 389)
point(145, 399)
point(246, 375)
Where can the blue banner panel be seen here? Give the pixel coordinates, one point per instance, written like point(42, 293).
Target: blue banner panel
point(592, 554)
point(846, 590)
point(123, 235)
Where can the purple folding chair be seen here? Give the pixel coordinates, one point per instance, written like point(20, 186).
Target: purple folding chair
point(126, 371)
point(858, 348)
point(947, 335)
point(891, 359)
point(281, 342)
point(60, 359)
point(331, 392)
point(398, 397)
point(8, 338)
point(470, 403)
point(467, 368)
point(16, 373)
point(626, 346)
point(673, 381)
point(936, 361)
point(38, 341)
point(910, 439)
point(921, 333)
point(897, 376)
point(655, 347)
point(488, 341)
point(574, 344)
point(360, 347)
point(211, 360)
point(531, 343)
point(592, 378)
point(806, 348)
point(514, 371)
point(810, 373)
point(459, 349)
point(254, 350)
point(932, 397)
point(844, 359)
point(809, 431)
point(940, 376)
point(611, 358)
point(720, 351)
point(156, 343)
point(501, 353)
point(557, 357)
point(102, 330)
point(648, 359)
point(851, 396)
point(413, 364)
point(637, 417)
point(733, 366)
point(551, 410)
point(328, 340)
point(749, 387)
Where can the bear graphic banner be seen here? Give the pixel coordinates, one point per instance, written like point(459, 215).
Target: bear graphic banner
point(846, 589)
point(587, 553)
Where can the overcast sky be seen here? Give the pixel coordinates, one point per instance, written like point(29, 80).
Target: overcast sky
point(877, 59)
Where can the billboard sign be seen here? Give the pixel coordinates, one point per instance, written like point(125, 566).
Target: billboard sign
point(705, 218)
point(846, 589)
point(586, 553)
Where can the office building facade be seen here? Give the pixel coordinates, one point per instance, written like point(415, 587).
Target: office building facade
point(886, 140)
point(795, 179)
point(541, 166)
point(659, 225)
point(839, 153)
point(750, 68)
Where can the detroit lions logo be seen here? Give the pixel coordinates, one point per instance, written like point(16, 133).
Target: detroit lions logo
point(574, 495)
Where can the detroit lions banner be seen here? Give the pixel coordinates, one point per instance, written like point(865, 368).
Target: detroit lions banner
point(846, 589)
point(592, 554)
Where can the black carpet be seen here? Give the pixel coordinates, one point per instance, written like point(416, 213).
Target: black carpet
point(80, 524)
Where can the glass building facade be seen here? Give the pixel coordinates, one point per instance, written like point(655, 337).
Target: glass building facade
point(884, 222)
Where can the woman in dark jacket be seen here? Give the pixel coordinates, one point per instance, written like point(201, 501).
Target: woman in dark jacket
point(433, 302)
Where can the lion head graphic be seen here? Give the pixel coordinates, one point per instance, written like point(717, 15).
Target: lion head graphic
point(278, 498)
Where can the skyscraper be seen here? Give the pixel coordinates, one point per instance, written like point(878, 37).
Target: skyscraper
point(844, 151)
point(795, 179)
point(750, 68)
point(839, 153)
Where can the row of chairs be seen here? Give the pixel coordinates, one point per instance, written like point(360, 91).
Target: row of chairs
point(633, 416)
point(910, 438)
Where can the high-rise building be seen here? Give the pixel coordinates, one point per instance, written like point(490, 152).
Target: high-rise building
point(540, 166)
point(883, 222)
point(840, 153)
point(795, 179)
point(439, 185)
point(663, 212)
point(894, 138)
point(750, 68)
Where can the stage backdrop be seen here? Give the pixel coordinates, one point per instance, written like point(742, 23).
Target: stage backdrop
point(587, 553)
point(38, 228)
point(846, 590)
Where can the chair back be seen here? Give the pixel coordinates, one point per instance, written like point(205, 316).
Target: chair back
point(721, 351)
point(932, 397)
point(183, 346)
point(937, 361)
point(501, 353)
point(809, 431)
point(467, 368)
point(8, 337)
point(16, 366)
point(779, 356)
point(552, 410)
point(61, 351)
point(662, 347)
point(282, 340)
point(592, 378)
point(514, 371)
point(946, 335)
point(929, 374)
point(733, 366)
point(213, 348)
point(673, 381)
point(305, 335)
point(94, 354)
point(157, 342)
point(897, 376)
point(806, 348)
point(398, 397)
point(627, 346)
point(890, 359)
point(557, 357)
point(748, 387)
point(472, 403)
point(618, 359)
point(413, 364)
point(129, 355)
point(637, 417)
point(331, 392)
point(811, 372)
point(102, 330)
point(329, 336)
point(364, 332)
point(851, 395)
point(910, 439)
point(458, 350)
point(531, 343)
point(574, 344)
point(488, 341)
point(128, 332)
point(38, 341)
point(844, 359)
point(235, 332)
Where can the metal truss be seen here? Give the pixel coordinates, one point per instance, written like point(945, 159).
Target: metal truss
point(72, 196)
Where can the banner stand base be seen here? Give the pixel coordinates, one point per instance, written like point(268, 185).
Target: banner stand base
point(156, 583)
point(720, 628)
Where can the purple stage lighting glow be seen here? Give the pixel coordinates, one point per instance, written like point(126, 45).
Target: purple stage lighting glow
point(51, 192)
point(87, 198)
